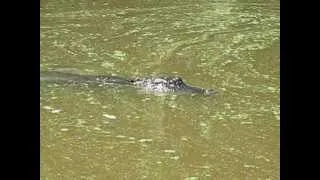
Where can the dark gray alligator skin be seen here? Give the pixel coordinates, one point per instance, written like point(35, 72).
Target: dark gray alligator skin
point(161, 84)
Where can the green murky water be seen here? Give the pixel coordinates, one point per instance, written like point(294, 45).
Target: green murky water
point(116, 133)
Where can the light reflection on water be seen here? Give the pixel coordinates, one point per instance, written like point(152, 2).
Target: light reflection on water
point(116, 132)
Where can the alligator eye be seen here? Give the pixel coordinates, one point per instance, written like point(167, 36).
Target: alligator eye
point(178, 81)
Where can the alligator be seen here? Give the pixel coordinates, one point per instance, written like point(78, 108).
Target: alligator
point(159, 85)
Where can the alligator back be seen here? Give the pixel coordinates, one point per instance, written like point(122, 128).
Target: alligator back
point(62, 77)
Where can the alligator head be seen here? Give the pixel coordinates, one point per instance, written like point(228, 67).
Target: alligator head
point(168, 84)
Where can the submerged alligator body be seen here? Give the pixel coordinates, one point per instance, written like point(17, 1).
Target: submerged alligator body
point(161, 85)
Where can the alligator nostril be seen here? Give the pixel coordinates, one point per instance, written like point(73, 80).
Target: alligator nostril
point(209, 92)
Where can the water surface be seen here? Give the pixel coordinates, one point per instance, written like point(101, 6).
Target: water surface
point(118, 133)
